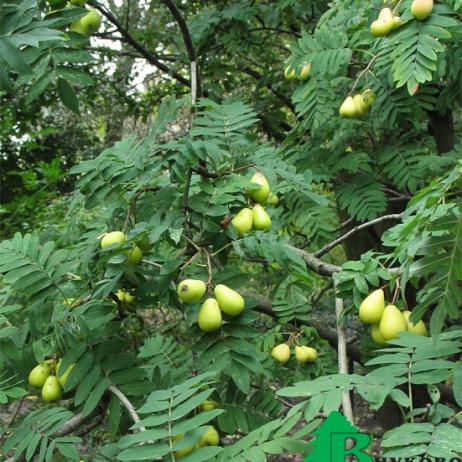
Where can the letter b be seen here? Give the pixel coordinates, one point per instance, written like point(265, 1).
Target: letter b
point(339, 452)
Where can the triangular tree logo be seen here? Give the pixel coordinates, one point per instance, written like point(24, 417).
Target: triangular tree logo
point(336, 439)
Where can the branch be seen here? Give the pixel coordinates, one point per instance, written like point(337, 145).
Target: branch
point(127, 404)
point(328, 247)
point(314, 263)
point(149, 56)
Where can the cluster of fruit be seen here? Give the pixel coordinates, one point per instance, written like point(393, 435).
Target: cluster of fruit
point(303, 73)
point(227, 300)
point(303, 354)
point(125, 298)
point(117, 239)
point(209, 438)
point(256, 217)
point(45, 375)
point(88, 24)
point(357, 105)
point(387, 321)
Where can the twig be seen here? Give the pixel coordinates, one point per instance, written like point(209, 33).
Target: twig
point(328, 247)
point(127, 404)
point(314, 263)
point(209, 267)
point(152, 263)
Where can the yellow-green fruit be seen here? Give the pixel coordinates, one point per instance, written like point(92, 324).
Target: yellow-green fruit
point(397, 22)
point(392, 323)
point(369, 97)
point(209, 318)
point(261, 194)
point(289, 73)
point(382, 27)
point(377, 336)
point(422, 9)
point(386, 14)
point(273, 199)
point(361, 106)
point(261, 220)
point(418, 329)
point(184, 451)
point(304, 354)
point(51, 390)
point(191, 290)
point(305, 72)
point(39, 374)
point(135, 256)
point(348, 108)
point(209, 405)
point(230, 301)
point(62, 377)
point(210, 438)
point(372, 307)
point(77, 27)
point(243, 221)
point(281, 353)
point(91, 21)
point(125, 297)
point(114, 237)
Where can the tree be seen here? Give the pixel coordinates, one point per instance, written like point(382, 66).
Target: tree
point(385, 184)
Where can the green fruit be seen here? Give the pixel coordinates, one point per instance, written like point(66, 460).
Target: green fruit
point(63, 377)
point(369, 97)
point(382, 27)
point(243, 221)
point(377, 336)
point(209, 318)
point(77, 2)
point(91, 21)
point(397, 22)
point(210, 438)
point(289, 73)
point(348, 108)
point(304, 354)
point(77, 27)
point(209, 405)
point(372, 307)
point(422, 9)
point(191, 290)
point(386, 14)
point(125, 297)
point(112, 238)
point(261, 194)
point(361, 106)
point(135, 256)
point(51, 390)
point(418, 329)
point(261, 220)
point(39, 374)
point(392, 323)
point(281, 353)
point(184, 451)
point(273, 199)
point(305, 72)
point(229, 300)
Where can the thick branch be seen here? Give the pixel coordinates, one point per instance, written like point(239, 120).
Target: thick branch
point(148, 55)
point(316, 264)
point(127, 404)
point(327, 248)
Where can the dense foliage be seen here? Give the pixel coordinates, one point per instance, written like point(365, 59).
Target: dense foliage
point(368, 202)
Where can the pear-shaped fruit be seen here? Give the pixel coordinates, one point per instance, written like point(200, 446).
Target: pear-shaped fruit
point(125, 297)
point(305, 72)
point(372, 307)
point(377, 336)
point(209, 318)
point(113, 238)
point(361, 106)
point(91, 21)
point(210, 437)
point(348, 108)
point(191, 290)
point(422, 9)
point(369, 97)
point(392, 323)
point(273, 199)
point(77, 27)
point(397, 22)
point(281, 353)
point(261, 220)
point(386, 14)
point(304, 354)
point(51, 390)
point(289, 73)
point(135, 256)
point(63, 375)
point(209, 405)
point(243, 221)
point(39, 374)
point(261, 194)
point(183, 451)
point(230, 301)
point(418, 329)
point(382, 27)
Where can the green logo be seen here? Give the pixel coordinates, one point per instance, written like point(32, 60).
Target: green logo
point(336, 439)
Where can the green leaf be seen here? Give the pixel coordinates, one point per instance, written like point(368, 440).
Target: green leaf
point(68, 96)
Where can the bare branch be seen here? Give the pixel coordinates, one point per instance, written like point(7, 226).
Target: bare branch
point(314, 263)
point(328, 247)
point(127, 404)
